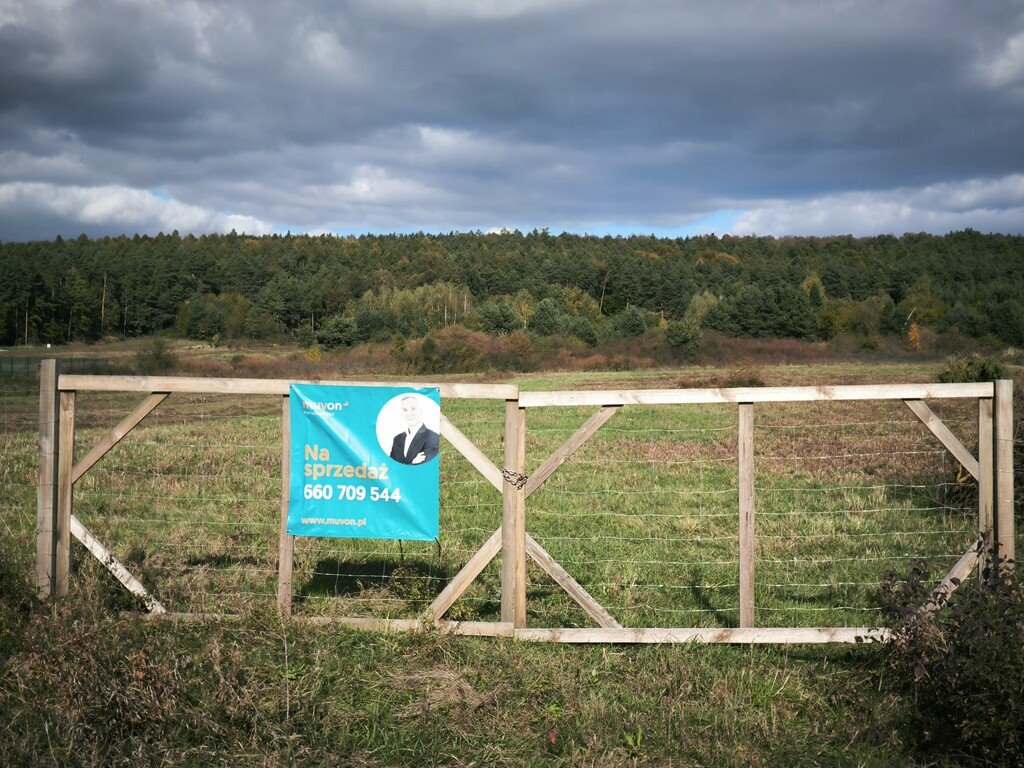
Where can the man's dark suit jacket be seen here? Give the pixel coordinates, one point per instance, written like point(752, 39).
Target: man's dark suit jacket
point(425, 441)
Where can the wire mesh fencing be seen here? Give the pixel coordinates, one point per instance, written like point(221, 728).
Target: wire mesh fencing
point(190, 502)
point(645, 517)
point(19, 467)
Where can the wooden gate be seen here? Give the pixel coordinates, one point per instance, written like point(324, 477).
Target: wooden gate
point(992, 468)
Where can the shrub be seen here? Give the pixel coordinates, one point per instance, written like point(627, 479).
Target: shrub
point(498, 318)
point(337, 331)
point(451, 350)
point(965, 368)
point(744, 376)
point(510, 353)
point(632, 321)
point(683, 336)
point(546, 319)
point(961, 668)
point(156, 357)
point(583, 329)
point(305, 337)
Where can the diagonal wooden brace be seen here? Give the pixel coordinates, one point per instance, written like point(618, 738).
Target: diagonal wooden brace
point(460, 583)
point(940, 596)
point(117, 434)
point(474, 455)
point(572, 587)
point(569, 447)
point(947, 438)
point(115, 566)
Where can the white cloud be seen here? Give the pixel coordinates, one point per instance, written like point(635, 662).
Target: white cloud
point(22, 165)
point(995, 205)
point(1006, 66)
point(477, 9)
point(376, 186)
point(118, 208)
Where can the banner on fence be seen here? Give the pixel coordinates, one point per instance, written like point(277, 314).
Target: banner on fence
point(365, 462)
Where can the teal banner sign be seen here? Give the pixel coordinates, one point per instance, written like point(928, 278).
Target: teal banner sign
point(365, 462)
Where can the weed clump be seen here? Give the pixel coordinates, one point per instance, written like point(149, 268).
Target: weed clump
point(156, 357)
point(961, 668)
point(967, 368)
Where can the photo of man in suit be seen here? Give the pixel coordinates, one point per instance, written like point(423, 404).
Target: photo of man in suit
point(416, 443)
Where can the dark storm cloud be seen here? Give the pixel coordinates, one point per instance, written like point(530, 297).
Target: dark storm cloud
point(396, 114)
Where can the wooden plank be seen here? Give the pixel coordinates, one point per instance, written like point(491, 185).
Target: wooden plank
point(746, 510)
point(116, 568)
point(468, 628)
point(461, 581)
point(941, 594)
point(203, 385)
point(754, 394)
point(46, 490)
point(568, 448)
point(65, 463)
point(286, 542)
point(947, 438)
point(985, 482)
point(520, 517)
point(1003, 429)
point(117, 434)
point(584, 599)
point(513, 523)
point(690, 635)
point(474, 455)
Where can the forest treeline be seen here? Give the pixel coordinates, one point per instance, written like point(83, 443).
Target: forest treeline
point(339, 291)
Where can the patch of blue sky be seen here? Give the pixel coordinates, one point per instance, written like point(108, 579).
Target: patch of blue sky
point(720, 221)
point(717, 222)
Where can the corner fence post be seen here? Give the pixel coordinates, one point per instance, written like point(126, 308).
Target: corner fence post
point(46, 489)
point(286, 545)
point(746, 508)
point(513, 520)
point(1003, 433)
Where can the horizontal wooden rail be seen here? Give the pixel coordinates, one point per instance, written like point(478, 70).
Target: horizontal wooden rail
point(700, 635)
point(753, 394)
point(469, 628)
point(213, 386)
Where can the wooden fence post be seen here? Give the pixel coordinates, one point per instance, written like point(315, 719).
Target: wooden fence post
point(1004, 471)
point(46, 490)
point(746, 505)
point(65, 484)
point(513, 521)
point(286, 545)
point(986, 478)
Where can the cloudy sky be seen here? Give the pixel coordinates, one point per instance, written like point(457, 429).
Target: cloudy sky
point(601, 116)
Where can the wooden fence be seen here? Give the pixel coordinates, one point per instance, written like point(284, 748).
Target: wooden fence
point(992, 468)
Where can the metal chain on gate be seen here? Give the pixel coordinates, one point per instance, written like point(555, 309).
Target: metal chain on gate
point(517, 480)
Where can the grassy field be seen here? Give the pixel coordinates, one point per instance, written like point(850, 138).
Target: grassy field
point(644, 516)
